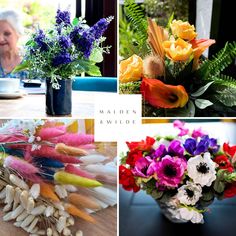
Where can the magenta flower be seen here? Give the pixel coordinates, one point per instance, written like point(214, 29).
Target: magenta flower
point(143, 167)
point(180, 125)
point(198, 133)
point(170, 171)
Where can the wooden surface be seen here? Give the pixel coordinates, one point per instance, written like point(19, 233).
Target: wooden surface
point(33, 106)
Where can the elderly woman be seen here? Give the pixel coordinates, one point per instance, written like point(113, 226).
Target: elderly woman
point(10, 32)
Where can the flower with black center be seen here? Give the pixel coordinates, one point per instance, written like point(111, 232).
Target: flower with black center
point(201, 169)
point(189, 194)
point(170, 171)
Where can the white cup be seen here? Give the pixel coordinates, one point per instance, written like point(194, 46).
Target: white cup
point(9, 85)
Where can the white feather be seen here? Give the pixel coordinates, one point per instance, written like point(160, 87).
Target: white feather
point(92, 159)
point(101, 169)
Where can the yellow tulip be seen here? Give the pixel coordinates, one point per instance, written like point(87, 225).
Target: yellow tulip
point(178, 50)
point(131, 69)
point(183, 30)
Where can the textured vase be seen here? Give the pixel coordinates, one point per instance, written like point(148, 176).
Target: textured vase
point(58, 101)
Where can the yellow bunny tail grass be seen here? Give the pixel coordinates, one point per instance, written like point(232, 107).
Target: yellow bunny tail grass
point(73, 210)
point(83, 201)
point(47, 191)
point(66, 178)
point(68, 150)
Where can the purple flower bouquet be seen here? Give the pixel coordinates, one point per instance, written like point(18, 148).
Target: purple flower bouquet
point(184, 174)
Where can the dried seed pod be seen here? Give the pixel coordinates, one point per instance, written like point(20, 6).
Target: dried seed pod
point(32, 225)
point(56, 214)
point(7, 217)
point(10, 192)
point(49, 232)
point(30, 204)
point(36, 228)
point(59, 206)
point(7, 208)
point(60, 191)
point(71, 221)
point(70, 188)
point(35, 191)
point(61, 224)
point(17, 223)
point(66, 232)
point(38, 210)
point(3, 193)
point(24, 198)
point(18, 182)
point(79, 233)
point(17, 211)
point(41, 232)
point(16, 197)
point(64, 213)
point(49, 211)
point(28, 220)
point(22, 216)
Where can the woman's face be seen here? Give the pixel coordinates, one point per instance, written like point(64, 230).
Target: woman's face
point(8, 37)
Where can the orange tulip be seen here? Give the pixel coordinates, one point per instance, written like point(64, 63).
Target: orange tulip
point(183, 29)
point(199, 46)
point(178, 50)
point(162, 95)
point(131, 69)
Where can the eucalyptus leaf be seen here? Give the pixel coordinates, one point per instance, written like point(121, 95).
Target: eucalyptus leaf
point(202, 90)
point(226, 95)
point(202, 103)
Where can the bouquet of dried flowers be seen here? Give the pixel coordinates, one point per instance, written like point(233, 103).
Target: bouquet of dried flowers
point(49, 174)
point(184, 174)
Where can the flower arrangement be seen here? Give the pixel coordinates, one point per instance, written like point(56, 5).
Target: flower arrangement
point(66, 49)
point(49, 174)
point(184, 174)
point(173, 76)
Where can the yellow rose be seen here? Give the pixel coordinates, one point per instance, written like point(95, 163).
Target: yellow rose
point(183, 30)
point(178, 50)
point(131, 69)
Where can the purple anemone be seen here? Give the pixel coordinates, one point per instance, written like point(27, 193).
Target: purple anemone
point(143, 167)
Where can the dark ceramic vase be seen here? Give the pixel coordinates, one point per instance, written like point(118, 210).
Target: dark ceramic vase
point(58, 101)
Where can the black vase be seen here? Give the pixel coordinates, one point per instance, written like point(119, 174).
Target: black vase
point(58, 101)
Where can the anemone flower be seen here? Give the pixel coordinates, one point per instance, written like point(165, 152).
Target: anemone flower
point(158, 94)
point(143, 168)
point(189, 194)
point(170, 171)
point(201, 169)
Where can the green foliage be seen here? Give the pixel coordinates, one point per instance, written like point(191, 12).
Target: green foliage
point(211, 69)
point(130, 88)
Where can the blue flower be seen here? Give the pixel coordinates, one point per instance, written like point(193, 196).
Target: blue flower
point(63, 17)
point(100, 27)
point(61, 59)
point(65, 42)
point(205, 144)
point(40, 39)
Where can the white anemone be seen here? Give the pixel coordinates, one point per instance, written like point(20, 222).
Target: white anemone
point(202, 169)
point(189, 214)
point(189, 194)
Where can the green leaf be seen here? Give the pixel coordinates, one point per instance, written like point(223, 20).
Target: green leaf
point(96, 55)
point(187, 111)
point(21, 67)
point(226, 95)
point(170, 20)
point(219, 186)
point(94, 71)
point(75, 21)
point(202, 90)
point(202, 103)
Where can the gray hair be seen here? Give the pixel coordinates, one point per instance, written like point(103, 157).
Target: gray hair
point(14, 19)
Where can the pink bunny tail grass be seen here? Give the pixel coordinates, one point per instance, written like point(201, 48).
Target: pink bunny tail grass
point(51, 132)
point(50, 152)
point(75, 140)
point(24, 168)
point(77, 171)
point(11, 138)
point(27, 154)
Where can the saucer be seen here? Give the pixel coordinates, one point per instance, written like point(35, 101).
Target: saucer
point(11, 94)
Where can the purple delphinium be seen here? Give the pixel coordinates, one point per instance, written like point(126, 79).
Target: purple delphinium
point(63, 17)
point(100, 27)
point(170, 171)
point(65, 42)
point(174, 149)
point(143, 168)
point(61, 59)
point(205, 144)
point(40, 40)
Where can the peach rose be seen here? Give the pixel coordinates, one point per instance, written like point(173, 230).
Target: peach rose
point(131, 69)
